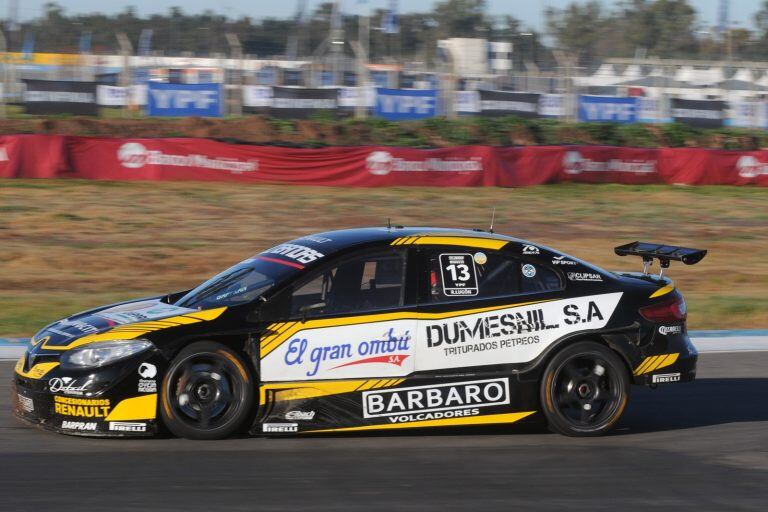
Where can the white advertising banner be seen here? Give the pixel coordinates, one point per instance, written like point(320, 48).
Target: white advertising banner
point(257, 96)
point(552, 105)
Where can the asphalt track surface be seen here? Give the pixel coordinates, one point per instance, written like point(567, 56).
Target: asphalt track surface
point(700, 446)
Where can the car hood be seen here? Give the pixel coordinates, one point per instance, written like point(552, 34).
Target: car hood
point(96, 321)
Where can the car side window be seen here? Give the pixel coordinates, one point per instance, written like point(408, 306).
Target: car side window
point(366, 283)
point(466, 274)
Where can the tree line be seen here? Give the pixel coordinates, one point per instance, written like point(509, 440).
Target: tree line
point(586, 29)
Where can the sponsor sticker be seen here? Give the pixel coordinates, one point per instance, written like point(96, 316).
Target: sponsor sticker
point(81, 407)
point(670, 329)
point(665, 377)
point(459, 274)
point(530, 250)
point(141, 312)
point(147, 384)
point(438, 401)
point(127, 426)
point(510, 335)
point(529, 270)
point(134, 155)
point(381, 349)
point(26, 403)
point(67, 386)
point(481, 258)
point(584, 276)
point(88, 426)
point(296, 252)
point(147, 371)
point(392, 348)
point(280, 427)
point(562, 260)
point(300, 415)
point(381, 163)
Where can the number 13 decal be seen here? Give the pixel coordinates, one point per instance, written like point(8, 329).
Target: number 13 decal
point(459, 274)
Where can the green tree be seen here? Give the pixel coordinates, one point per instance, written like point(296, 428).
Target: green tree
point(577, 28)
point(462, 18)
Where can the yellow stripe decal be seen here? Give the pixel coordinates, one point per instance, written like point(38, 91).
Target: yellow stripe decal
point(272, 344)
point(446, 422)
point(482, 243)
point(654, 363)
point(136, 408)
point(662, 291)
point(207, 315)
point(284, 391)
point(644, 364)
point(668, 361)
point(38, 371)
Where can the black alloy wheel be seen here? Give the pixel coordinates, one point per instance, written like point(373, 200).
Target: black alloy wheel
point(585, 390)
point(207, 392)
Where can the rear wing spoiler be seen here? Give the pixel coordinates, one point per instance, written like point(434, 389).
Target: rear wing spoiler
point(663, 253)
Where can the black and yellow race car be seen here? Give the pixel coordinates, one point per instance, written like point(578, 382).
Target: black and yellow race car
point(368, 329)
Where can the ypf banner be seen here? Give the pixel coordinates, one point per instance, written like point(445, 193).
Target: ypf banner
point(184, 100)
point(607, 109)
point(44, 97)
point(405, 104)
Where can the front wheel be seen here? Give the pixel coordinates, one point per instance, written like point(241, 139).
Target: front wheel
point(584, 390)
point(207, 392)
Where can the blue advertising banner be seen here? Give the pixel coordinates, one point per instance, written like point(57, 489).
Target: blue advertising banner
point(184, 100)
point(612, 109)
point(405, 104)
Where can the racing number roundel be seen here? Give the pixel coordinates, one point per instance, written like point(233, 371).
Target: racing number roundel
point(459, 274)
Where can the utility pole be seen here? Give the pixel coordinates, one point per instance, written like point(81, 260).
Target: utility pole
point(3, 48)
point(337, 40)
point(126, 50)
point(363, 54)
point(236, 51)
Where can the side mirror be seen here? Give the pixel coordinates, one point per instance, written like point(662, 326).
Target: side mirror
point(309, 308)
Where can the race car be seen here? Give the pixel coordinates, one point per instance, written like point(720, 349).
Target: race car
point(368, 329)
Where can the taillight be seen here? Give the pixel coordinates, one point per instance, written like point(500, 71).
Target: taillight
point(670, 311)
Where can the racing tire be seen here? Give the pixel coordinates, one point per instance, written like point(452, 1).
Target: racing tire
point(585, 390)
point(207, 392)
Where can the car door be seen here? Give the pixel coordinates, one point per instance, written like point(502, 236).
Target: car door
point(353, 318)
point(480, 308)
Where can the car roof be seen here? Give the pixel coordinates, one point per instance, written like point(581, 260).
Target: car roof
point(341, 240)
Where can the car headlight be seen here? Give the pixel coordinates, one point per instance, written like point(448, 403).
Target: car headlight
point(102, 353)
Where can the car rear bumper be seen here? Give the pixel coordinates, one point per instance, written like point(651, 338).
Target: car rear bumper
point(675, 363)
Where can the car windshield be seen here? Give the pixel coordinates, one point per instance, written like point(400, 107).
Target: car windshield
point(239, 284)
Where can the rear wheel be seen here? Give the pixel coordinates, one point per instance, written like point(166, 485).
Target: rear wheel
point(207, 392)
point(585, 390)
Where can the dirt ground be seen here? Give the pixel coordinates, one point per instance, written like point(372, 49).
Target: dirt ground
point(68, 245)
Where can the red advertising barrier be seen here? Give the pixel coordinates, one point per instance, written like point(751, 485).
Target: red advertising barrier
point(32, 156)
point(50, 156)
point(206, 160)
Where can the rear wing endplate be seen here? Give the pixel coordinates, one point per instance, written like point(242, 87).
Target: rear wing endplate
point(663, 253)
